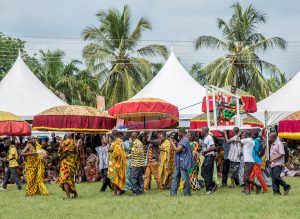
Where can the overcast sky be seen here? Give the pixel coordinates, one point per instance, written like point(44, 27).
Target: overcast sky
point(58, 24)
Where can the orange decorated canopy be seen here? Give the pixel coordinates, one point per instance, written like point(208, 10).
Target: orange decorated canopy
point(146, 113)
point(248, 100)
point(290, 127)
point(83, 119)
point(13, 125)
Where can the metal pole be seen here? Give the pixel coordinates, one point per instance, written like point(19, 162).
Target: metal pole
point(214, 108)
point(268, 145)
point(224, 91)
point(238, 111)
point(207, 108)
point(267, 137)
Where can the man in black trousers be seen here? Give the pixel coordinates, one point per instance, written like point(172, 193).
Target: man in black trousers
point(208, 148)
point(226, 164)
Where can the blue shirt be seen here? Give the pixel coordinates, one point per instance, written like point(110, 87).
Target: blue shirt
point(255, 151)
point(184, 159)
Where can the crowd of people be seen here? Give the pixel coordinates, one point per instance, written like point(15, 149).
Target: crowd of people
point(133, 161)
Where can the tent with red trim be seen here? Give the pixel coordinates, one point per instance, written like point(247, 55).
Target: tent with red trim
point(146, 113)
point(280, 104)
point(23, 94)
point(174, 84)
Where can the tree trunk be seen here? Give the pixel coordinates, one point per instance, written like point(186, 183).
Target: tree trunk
point(237, 70)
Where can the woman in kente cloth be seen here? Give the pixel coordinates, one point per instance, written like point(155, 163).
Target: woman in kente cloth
point(117, 164)
point(34, 168)
point(166, 161)
point(68, 155)
point(91, 167)
point(230, 108)
point(194, 171)
point(127, 146)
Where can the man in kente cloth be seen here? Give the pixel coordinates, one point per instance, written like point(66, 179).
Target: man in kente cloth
point(68, 156)
point(117, 164)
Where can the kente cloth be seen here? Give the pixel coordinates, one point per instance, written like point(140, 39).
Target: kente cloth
point(166, 163)
point(117, 164)
point(35, 175)
point(68, 154)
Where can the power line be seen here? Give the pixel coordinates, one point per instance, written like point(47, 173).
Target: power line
point(142, 40)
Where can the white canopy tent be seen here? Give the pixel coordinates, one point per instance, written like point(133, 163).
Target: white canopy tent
point(280, 104)
point(175, 85)
point(23, 94)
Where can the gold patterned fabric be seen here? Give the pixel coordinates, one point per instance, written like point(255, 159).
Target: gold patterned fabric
point(75, 111)
point(294, 116)
point(117, 164)
point(67, 151)
point(35, 175)
point(7, 116)
point(166, 163)
point(194, 171)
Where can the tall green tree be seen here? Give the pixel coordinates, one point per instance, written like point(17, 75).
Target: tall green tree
point(67, 81)
point(242, 42)
point(275, 83)
point(9, 50)
point(198, 74)
point(114, 54)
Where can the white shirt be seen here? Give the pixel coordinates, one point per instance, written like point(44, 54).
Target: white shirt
point(248, 145)
point(235, 149)
point(103, 156)
point(208, 142)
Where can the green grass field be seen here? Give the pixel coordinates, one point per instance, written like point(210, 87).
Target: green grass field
point(226, 203)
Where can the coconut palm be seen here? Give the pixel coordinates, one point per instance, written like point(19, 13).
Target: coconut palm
point(197, 73)
point(67, 81)
point(241, 42)
point(114, 54)
point(275, 83)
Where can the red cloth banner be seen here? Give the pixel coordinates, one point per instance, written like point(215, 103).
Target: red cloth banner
point(249, 104)
point(15, 128)
point(73, 123)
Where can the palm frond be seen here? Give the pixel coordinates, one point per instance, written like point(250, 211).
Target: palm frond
point(267, 44)
point(153, 50)
point(210, 42)
point(136, 34)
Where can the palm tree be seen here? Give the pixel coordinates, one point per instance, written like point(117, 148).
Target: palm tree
point(67, 81)
point(197, 73)
point(275, 83)
point(241, 65)
point(114, 54)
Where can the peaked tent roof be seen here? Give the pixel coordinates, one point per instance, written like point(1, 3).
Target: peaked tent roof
point(175, 85)
point(23, 94)
point(282, 103)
